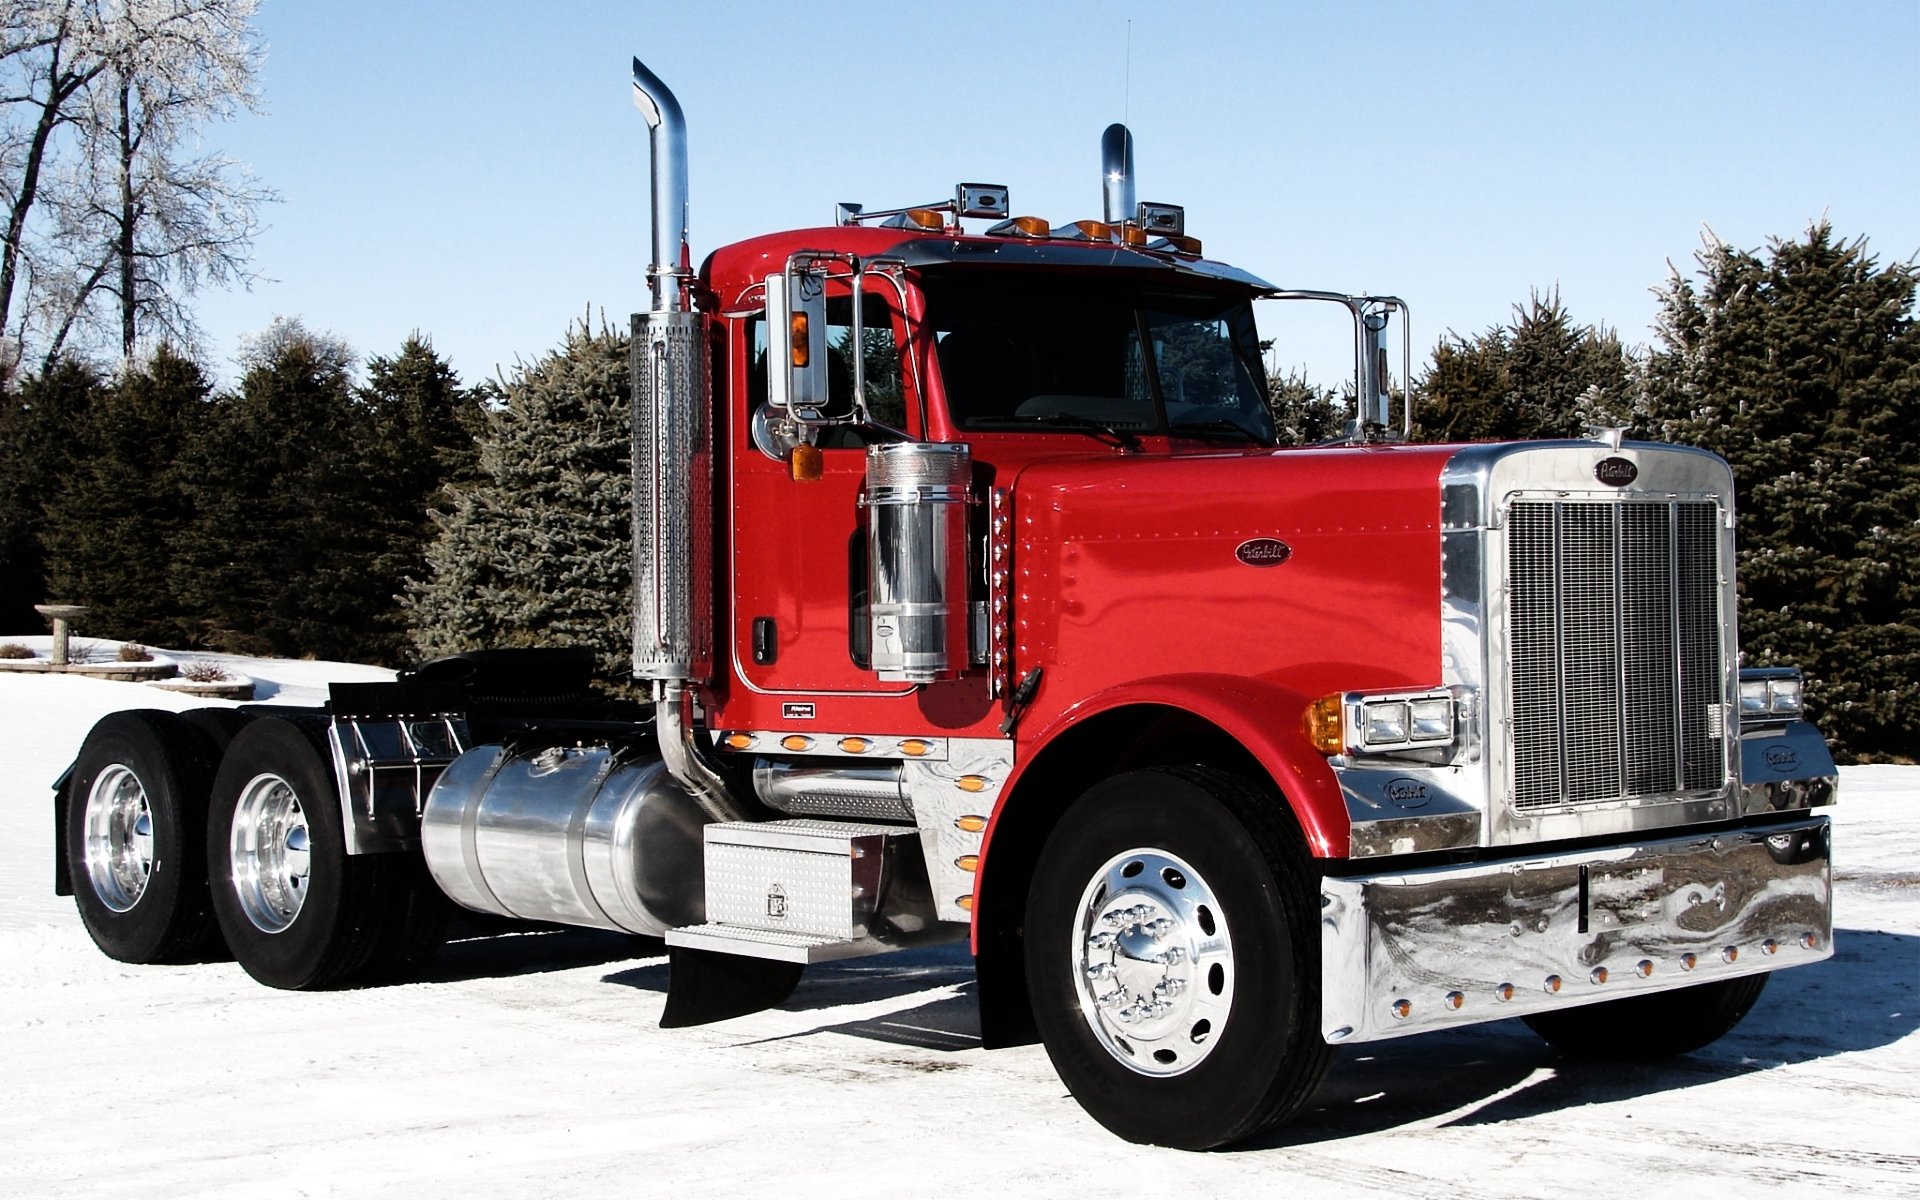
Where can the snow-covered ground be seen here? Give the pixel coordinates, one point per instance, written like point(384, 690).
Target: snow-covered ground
point(533, 1065)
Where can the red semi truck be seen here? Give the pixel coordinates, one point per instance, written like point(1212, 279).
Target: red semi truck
point(976, 598)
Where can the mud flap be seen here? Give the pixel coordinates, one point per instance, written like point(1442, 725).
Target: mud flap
point(705, 986)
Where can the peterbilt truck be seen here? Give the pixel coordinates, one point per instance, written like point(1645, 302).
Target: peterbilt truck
point(976, 598)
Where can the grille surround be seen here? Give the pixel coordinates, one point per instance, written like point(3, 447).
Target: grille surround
point(1617, 650)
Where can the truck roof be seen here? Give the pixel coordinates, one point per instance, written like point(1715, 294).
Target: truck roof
point(731, 270)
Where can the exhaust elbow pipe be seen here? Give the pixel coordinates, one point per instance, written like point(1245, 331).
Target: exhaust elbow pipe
point(672, 265)
point(1116, 175)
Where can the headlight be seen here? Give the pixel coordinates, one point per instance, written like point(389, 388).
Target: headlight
point(1770, 693)
point(1352, 722)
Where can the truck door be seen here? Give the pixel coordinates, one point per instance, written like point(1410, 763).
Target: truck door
point(798, 555)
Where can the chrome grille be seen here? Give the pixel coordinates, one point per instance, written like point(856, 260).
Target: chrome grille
point(1616, 650)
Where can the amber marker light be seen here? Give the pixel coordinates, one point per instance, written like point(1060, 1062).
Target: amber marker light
point(855, 745)
point(1731, 954)
point(1402, 1009)
point(965, 903)
point(1099, 231)
point(1455, 999)
point(804, 463)
point(971, 783)
point(1185, 245)
point(1599, 975)
point(1550, 985)
point(927, 218)
point(970, 823)
point(797, 741)
point(1504, 991)
point(968, 862)
point(739, 741)
point(1324, 725)
point(1811, 941)
point(916, 747)
point(1644, 967)
point(797, 337)
point(1688, 960)
point(1133, 235)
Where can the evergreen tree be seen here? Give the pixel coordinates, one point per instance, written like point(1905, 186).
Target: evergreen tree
point(1541, 376)
point(278, 535)
point(1801, 367)
point(110, 539)
point(40, 418)
point(416, 432)
point(1303, 411)
point(538, 550)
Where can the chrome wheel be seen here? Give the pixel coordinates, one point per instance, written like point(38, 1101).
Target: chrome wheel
point(1153, 962)
point(119, 838)
point(271, 853)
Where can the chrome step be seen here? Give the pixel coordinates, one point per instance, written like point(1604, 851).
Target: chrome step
point(799, 947)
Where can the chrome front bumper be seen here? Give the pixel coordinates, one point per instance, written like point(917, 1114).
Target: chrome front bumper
point(1413, 951)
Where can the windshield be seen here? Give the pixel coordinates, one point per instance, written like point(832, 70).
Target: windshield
point(1017, 351)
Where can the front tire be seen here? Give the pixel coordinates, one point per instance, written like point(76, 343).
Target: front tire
point(1173, 958)
point(1654, 1027)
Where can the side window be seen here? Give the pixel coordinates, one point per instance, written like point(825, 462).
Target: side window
point(880, 358)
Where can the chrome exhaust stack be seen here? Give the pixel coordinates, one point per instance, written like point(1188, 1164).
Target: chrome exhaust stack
point(667, 140)
point(673, 467)
point(1116, 175)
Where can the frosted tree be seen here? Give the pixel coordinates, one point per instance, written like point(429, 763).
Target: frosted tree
point(1801, 367)
point(114, 215)
point(538, 550)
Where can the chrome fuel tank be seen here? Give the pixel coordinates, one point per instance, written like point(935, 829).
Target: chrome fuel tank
point(571, 835)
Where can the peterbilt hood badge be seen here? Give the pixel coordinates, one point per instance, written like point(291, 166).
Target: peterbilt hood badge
point(1615, 472)
point(1263, 552)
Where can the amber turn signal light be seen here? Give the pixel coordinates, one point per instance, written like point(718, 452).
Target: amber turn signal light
point(804, 463)
point(1324, 725)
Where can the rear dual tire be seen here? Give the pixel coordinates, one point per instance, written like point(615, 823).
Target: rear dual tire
point(298, 911)
point(135, 837)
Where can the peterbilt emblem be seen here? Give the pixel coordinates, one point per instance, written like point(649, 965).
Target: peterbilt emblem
point(777, 902)
point(1263, 552)
point(1782, 758)
point(1615, 472)
point(1407, 793)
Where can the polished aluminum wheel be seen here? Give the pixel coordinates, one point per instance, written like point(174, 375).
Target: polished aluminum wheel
point(119, 838)
point(271, 858)
point(1153, 962)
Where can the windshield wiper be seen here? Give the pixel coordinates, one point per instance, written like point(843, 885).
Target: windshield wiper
point(1060, 420)
point(1218, 427)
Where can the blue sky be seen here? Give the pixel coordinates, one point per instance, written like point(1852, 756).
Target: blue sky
point(476, 170)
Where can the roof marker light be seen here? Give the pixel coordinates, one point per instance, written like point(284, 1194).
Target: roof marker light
point(1024, 227)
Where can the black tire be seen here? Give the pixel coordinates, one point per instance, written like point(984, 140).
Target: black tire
point(218, 724)
point(1651, 1028)
point(1238, 1048)
point(292, 922)
point(136, 838)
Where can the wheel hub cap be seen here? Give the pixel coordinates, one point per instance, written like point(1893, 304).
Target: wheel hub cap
point(271, 853)
point(119, 838)
point(1153, 962)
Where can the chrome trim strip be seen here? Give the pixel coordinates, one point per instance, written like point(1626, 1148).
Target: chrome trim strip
point(1462, 945)
point(939, 802)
